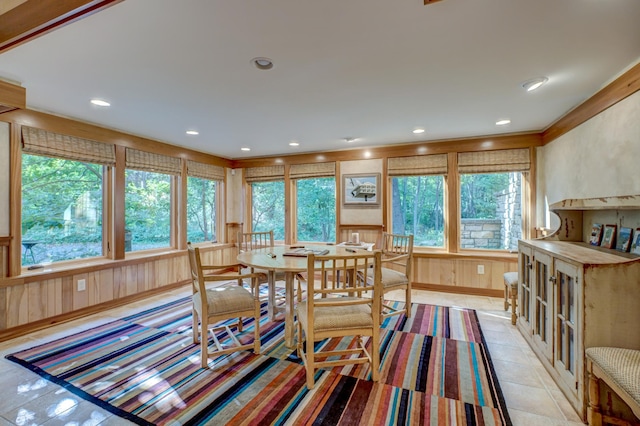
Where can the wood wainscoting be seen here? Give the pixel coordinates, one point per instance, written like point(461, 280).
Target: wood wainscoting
point(35, 301)
point(368, 233)
point(458, 273)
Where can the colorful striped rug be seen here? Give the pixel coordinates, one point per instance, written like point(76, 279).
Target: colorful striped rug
point(435, 369)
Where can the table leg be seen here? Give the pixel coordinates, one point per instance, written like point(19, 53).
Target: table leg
point(289, 330)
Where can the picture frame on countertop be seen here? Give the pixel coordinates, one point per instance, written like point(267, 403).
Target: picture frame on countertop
point(623, 242)
point(596, 234)
point(635, 246)
point(609, 236)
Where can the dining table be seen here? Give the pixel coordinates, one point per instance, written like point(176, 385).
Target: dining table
point(273, 259)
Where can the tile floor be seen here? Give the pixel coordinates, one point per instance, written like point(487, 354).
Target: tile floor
point(531, 395)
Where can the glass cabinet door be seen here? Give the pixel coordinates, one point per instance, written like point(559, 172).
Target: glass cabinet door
point(524, 284)
point(542, 294)
point(565, 321)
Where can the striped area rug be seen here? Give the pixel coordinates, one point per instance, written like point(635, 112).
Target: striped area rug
point(435, 369)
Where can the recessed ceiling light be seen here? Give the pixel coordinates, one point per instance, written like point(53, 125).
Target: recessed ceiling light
point(100, 102)
point(193, 132)
point(503, 122)
point(418, 130)
point(293, 143)
point(534, 83)
point(262, 63)
point(350, 139)
point(245, 149)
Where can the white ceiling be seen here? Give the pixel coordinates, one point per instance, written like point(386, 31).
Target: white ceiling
point(368, 69)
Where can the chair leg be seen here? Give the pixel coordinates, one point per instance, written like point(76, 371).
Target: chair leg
point(514, 317)
point(311, 368)
point(256, 331)
point(375, 355)
point(240, 324)
point(408, 302)
point(594, 416)
point(204, 345)
point(194, 326)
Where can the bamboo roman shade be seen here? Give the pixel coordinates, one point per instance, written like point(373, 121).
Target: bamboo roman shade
point(151, 162)
point(258, 174)
point(205, 171)
point(505, 160)
point(42, 142)
point(417, 165)
point(311, 170)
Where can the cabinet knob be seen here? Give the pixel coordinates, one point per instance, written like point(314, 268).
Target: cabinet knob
point(552, 279)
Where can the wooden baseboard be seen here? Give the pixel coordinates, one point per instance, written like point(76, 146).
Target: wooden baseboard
point(22, 330)
point(472, 291)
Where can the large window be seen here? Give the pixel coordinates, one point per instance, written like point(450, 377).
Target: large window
point(201, 210)
point(491, 210)
point(267, 207)
point(61, 209)
point(147, 210)
point(418, 208)
point(316, 209)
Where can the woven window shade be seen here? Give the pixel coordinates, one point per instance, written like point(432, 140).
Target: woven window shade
point(506, 160)
point(418, 165)
point(150, 162)
point(205, 171)
point(42, 142)
point(257, 174)
point(311, 170)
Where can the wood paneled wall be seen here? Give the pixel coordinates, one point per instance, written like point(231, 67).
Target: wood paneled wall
point(459, 274)
point(35, 301)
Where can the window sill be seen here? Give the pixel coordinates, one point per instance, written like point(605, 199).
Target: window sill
point(467, 254)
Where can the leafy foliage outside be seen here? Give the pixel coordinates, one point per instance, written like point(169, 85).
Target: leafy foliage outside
point(61, 209)
point(201, 210)
point(418, 208)
point(316, 208)
point(267, 201)
point(147, 210)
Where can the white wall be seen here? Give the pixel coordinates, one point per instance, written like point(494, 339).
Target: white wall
point(4, 178)
point(361, 215)
point(599, 158)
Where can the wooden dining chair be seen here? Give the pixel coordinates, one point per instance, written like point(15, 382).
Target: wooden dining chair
point(248, 241)
point(335, 311)
point(397, 258)
point(213, 305)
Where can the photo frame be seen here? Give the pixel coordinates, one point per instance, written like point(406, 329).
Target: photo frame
point(609, 236)
point(624, 239)
point(596, 234)
point(361, 190)
point(635, 245)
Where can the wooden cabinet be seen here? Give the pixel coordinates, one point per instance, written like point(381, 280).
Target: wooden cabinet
point(573, 296)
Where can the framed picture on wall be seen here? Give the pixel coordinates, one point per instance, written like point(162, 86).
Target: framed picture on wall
point(624, 239)
point(609, 236)
point(361, 190)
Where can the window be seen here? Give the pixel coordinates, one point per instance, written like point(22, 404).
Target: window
point(62, 196)
point(418, 208)
point(147, 199)
point(491, 198)
point(316, 209)
point(267, 207)
point(201, 210)
point(491, 210)
point(61, 209)
point(417, 198)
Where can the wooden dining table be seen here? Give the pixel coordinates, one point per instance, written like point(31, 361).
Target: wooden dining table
point(273, 260)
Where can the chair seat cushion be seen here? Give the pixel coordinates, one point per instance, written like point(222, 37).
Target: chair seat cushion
point(511, 279)
point(621, 365)
point(327, 318)
point(393, 278)
point(224, 299)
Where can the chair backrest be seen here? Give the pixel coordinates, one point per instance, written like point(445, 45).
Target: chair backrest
point(254, 240)
point(195, 264)
point(399, 248)
point(363, 270)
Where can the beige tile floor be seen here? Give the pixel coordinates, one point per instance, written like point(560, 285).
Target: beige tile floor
point(531, 396)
